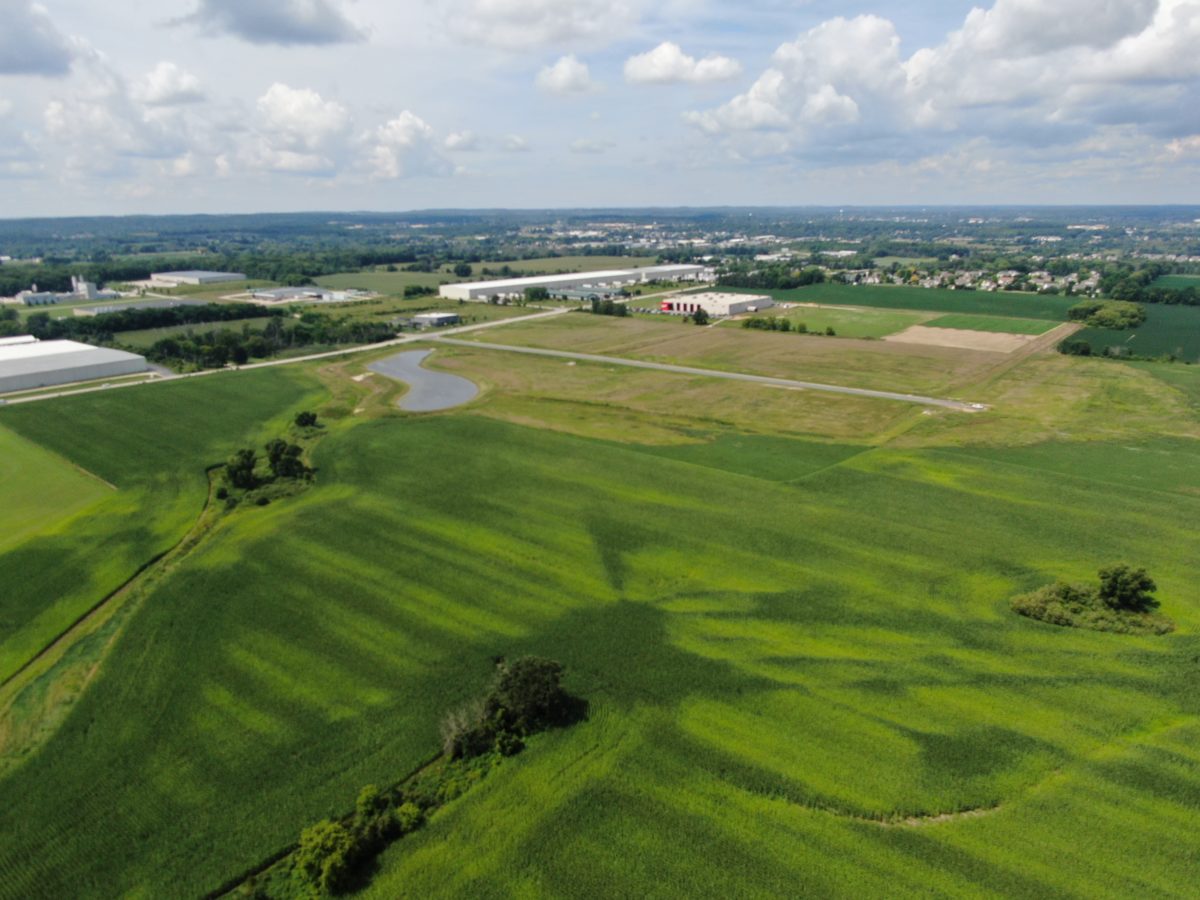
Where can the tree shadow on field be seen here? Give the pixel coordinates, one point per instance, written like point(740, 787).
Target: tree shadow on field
point(614, 539)
point(624, 649)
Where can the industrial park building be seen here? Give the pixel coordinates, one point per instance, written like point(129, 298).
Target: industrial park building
point(716, 304)
point(27, 363)
point(193, 277)
point(609, 281)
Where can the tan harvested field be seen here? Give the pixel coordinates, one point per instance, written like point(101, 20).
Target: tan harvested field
point(986, 341)
point(618, 403)
point(913, 368)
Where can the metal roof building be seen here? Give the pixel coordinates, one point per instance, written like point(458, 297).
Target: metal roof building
point(35, 364)
point(716, 304)
point(610, 280)
point(194, 276)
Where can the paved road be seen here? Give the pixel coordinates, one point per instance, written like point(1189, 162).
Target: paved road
point(714, 373)
point(429, 391)
point(330, 354)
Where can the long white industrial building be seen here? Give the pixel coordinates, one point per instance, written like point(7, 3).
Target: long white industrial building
point(27, 363)
point(608, 280)
point(716, 304)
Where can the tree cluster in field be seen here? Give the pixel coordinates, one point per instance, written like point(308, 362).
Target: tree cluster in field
point(609, 308)
point(776, 323)
point(214, 349)
point(1115, 314)
point(526, 696)
point(284, 461)
point(774, 277)
point(1123, 602)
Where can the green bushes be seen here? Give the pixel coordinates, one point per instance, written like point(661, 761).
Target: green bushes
point(609, 308)
point(774, 323)
point(1122, 603)
point(526, 696)
point(1115, 314)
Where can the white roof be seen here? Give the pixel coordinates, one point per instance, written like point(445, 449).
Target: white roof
point(19, 339)
point(34, 349)
point(600, 276)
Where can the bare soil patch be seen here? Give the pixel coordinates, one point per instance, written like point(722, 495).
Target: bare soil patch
point(988, 341)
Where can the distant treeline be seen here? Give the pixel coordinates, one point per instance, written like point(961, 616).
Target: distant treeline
point(1138, 287)
point(215, 348)
point(778, 277)
point(101, 327)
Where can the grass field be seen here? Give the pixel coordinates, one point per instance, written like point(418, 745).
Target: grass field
point(1167, 331)
point(774, 666)
point(992, 323)
point(870, 364)
point(1177, 282)
point(1005, 303)
point(851, 323)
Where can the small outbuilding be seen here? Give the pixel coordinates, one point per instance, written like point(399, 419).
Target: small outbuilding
point(435, 319)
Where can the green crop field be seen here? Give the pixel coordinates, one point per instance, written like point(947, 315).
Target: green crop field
point(153, 443)
point(553, 265)
point(851, 323)
point(383, 282)
point(1001, 303)
point(1177, 282)
point(992, 323)
point(803, 674)
point(1167, 331)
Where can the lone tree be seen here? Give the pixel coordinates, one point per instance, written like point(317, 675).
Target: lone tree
point(240, 469)
point(1124, 587)
point(306, 419)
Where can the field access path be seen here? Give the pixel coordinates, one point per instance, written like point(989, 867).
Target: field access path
point(446, 336)
point(957, 405)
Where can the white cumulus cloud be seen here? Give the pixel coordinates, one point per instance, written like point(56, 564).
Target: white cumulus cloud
point(567, 76)
point(168, 85)
point(406, 146)
point(668, 64)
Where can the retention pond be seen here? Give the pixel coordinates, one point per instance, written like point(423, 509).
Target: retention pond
point(429, 391)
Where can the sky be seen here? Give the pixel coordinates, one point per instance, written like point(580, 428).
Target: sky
point(180, 106)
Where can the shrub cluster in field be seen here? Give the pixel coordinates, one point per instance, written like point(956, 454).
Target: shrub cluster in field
point(284, 462)
point(526, 696)
point(1114, 314)
point(1122, 602)
point(609, 308)
point(775, 323)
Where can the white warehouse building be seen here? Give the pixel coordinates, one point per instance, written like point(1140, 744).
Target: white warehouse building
point(193, 277)
point(610, 280)
point(716, 304)
point(27, 363)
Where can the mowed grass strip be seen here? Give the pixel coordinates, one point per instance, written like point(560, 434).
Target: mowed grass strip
point(39, 490)
point(848, 323)
point(772, 669)
point(992, 323)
